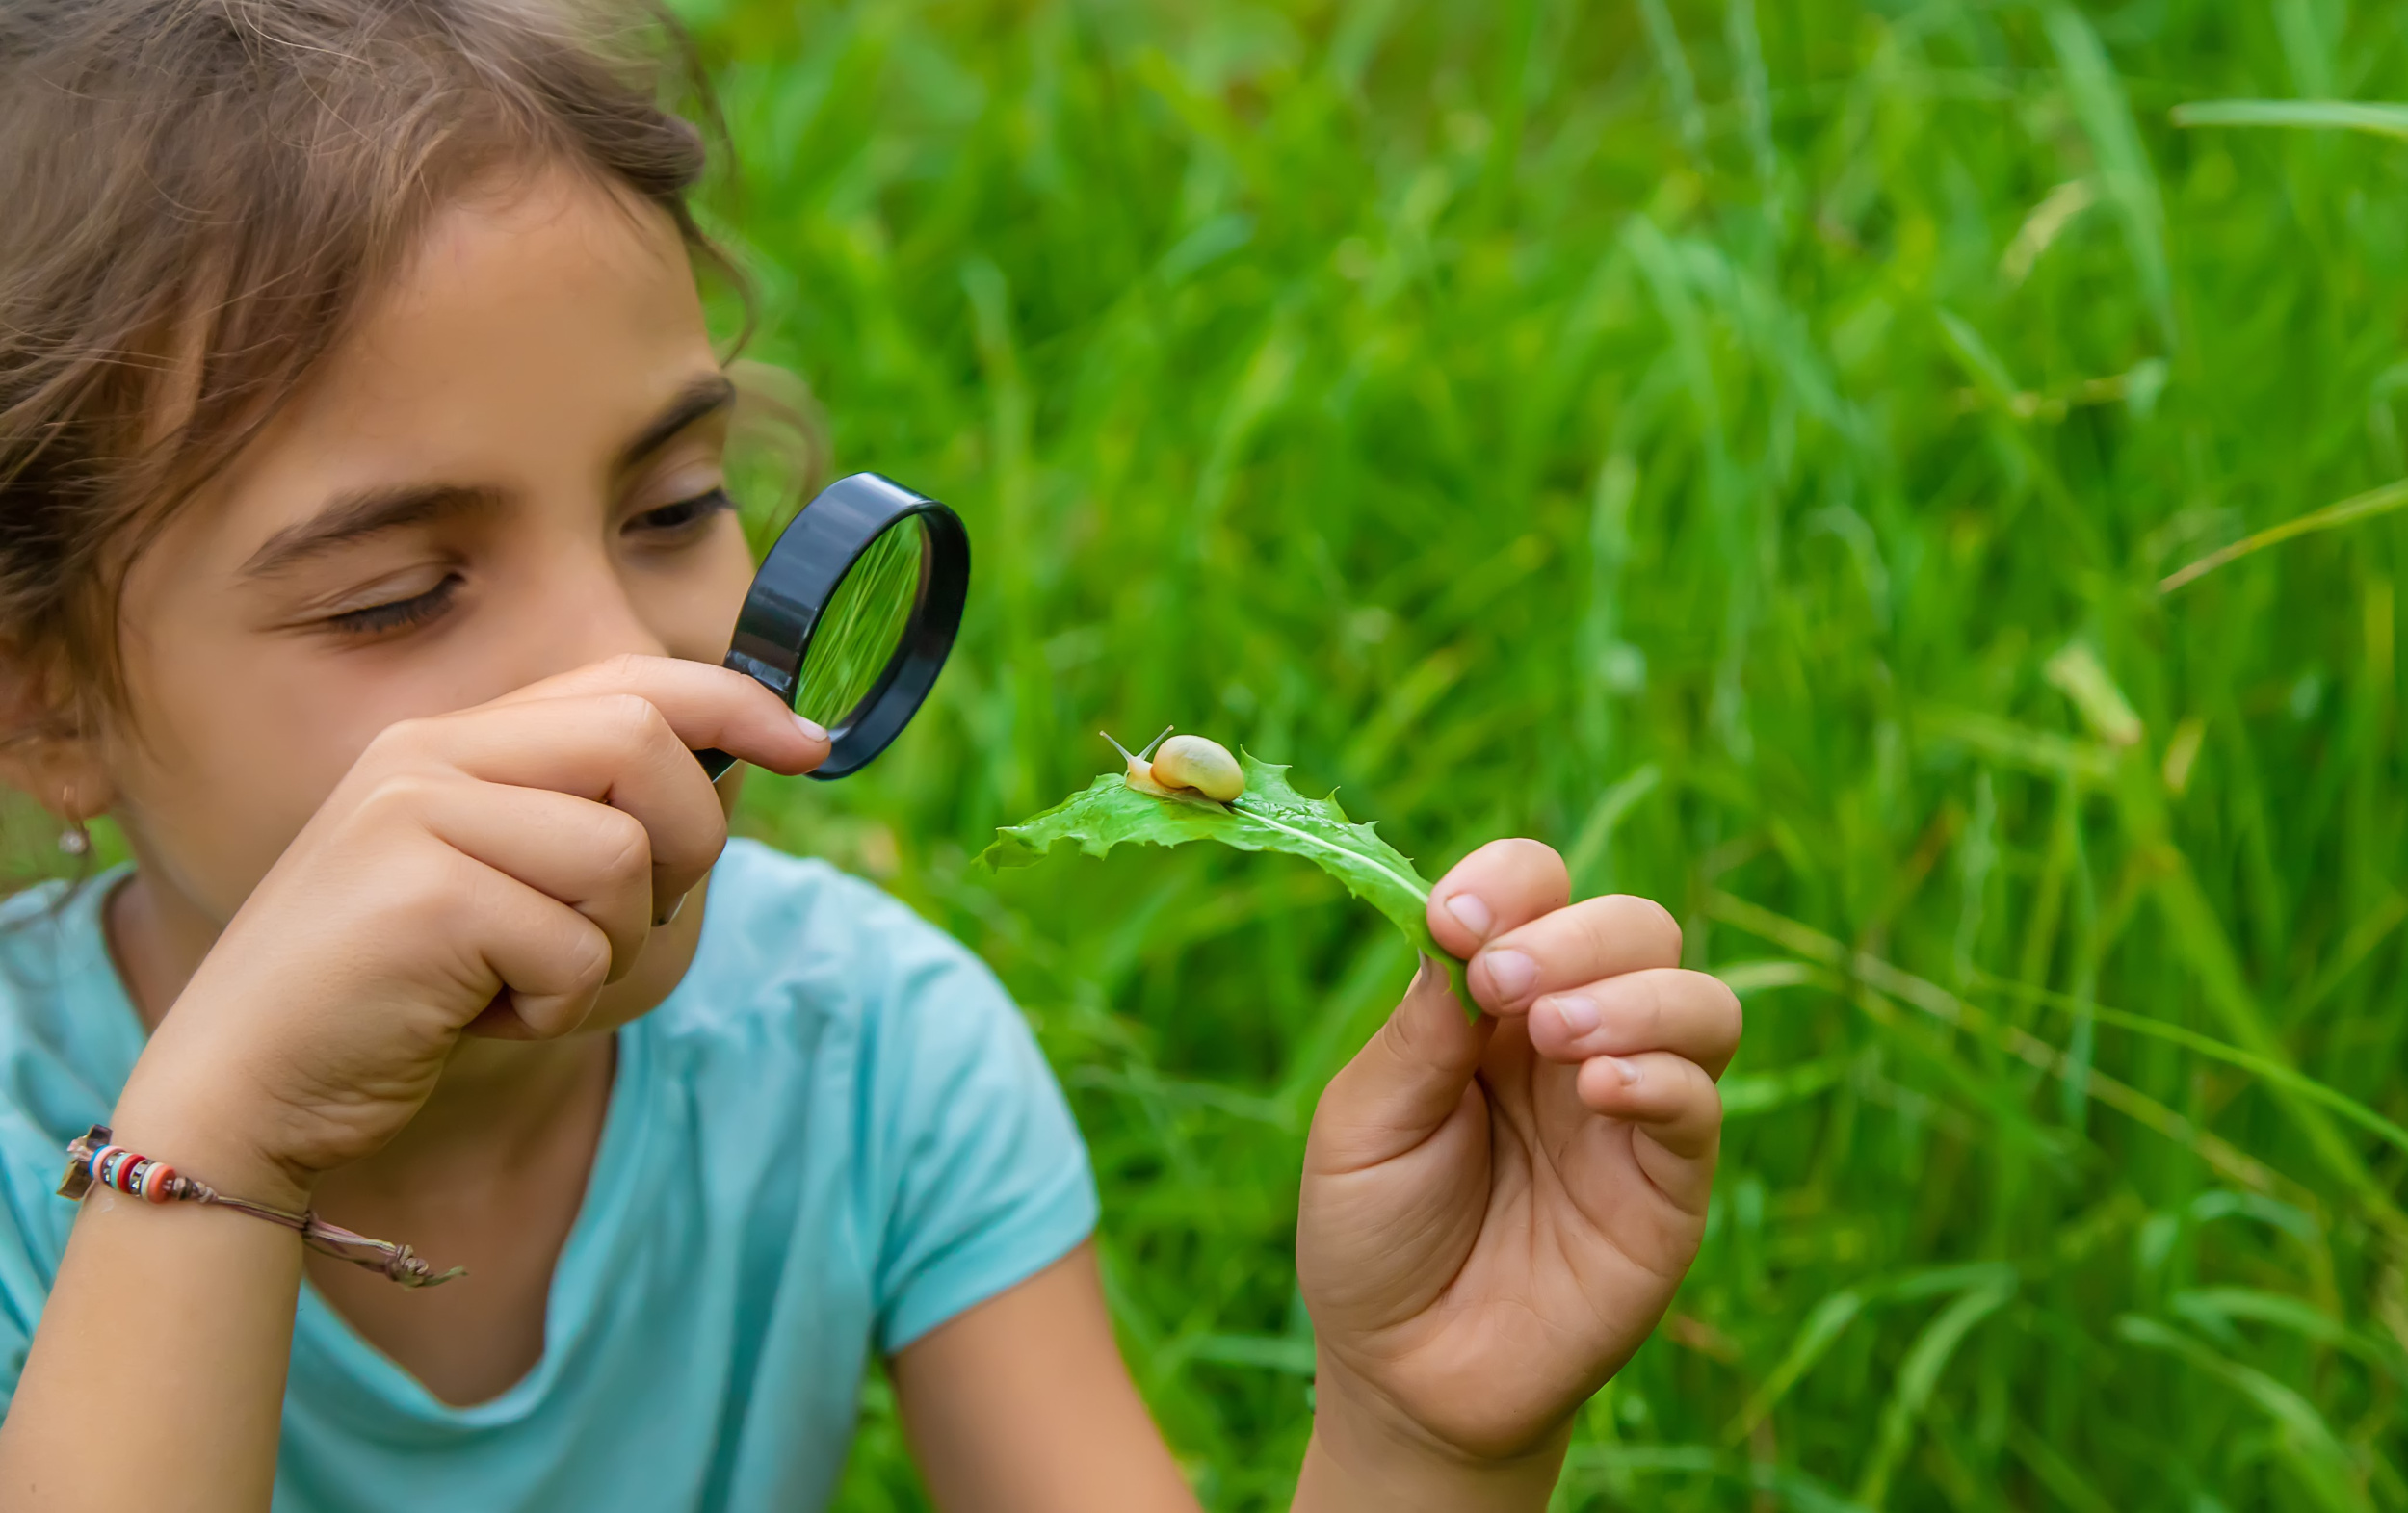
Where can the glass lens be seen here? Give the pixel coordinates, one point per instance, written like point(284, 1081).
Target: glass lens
point(863, 626)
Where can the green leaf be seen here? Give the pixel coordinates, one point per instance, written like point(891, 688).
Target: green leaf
point(1269, 815)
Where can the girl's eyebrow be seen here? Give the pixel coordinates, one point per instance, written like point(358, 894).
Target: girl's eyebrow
point(366, 512)
point(703, 394)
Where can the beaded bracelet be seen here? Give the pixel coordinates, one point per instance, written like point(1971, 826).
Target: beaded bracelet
point(91, 1159)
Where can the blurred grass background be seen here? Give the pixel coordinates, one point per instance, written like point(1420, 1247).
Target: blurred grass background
point(1737, 441)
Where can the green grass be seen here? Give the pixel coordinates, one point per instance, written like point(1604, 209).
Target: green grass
point(1739, 443)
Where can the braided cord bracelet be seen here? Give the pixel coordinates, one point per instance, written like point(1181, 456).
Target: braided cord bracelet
point(91, 1160)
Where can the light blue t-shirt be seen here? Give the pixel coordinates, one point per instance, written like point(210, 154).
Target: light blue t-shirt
point(835, 1135)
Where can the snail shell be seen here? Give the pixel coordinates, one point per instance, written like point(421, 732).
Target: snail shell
point(1192, 761)
point(1184, 767)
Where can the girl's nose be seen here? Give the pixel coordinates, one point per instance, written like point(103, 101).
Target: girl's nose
point(585, 611)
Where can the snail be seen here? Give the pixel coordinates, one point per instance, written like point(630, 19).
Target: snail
point(1183, 768)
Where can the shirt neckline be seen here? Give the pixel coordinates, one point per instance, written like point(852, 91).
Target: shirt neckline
point(578, 1277)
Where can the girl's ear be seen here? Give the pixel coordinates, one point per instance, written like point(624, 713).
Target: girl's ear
point(46, 751)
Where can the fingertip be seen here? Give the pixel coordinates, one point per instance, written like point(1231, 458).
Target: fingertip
point(1632, 1085)
point(1669, 1096)
point(771, 733)
point(814, 744)
point(1503, 884)
point(804, 747)
point(1609, 1086)
point(1502, 978)
point(1562, 1025)
point(544, 1016)
point(1460, 918)
point(1536, 869)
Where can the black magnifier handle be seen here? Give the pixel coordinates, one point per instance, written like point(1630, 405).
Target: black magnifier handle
point(798, 578)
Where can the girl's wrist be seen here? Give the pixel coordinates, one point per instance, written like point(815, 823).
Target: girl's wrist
point(1366, 1453)
point(209, 1142)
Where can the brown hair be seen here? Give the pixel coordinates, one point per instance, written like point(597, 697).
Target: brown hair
point(196, 196)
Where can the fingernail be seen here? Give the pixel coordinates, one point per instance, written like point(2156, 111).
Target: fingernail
point(1468, 908)
point(811, 728)
point(671, 913)
point(1627, 1071)
point(1510, 972)
point(1578, 1014)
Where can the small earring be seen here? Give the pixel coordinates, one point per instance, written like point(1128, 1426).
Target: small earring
point(75, 840)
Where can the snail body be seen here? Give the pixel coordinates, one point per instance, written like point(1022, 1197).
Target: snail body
point(1184, 767)
point(1192, 762)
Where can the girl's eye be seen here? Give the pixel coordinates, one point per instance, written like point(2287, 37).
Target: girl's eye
point(683, 515)
point(398, 615)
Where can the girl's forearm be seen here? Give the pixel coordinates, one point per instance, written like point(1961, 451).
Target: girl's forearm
point(156, 1378)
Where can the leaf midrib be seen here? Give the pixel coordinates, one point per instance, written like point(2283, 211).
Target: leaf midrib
point(1412, 885)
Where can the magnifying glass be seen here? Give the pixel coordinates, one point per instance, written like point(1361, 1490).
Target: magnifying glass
point(851, 614)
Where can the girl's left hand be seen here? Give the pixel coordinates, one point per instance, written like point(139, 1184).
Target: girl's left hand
point(1496, 1214)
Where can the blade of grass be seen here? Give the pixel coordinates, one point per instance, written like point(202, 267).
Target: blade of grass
point(2259, 1067)
point(2371, 505)
point(1917, 1378)
point(2325, 1464)
point(2228, 1159)
point(2378, 119)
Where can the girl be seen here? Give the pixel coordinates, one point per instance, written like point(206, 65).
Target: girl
point(364, 553)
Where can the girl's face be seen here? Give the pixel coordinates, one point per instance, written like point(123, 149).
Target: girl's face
point(509, 468)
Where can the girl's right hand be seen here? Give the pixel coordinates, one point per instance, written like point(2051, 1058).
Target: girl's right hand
point(486, 870)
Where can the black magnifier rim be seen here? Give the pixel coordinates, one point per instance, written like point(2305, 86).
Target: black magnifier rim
point(798, 578)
